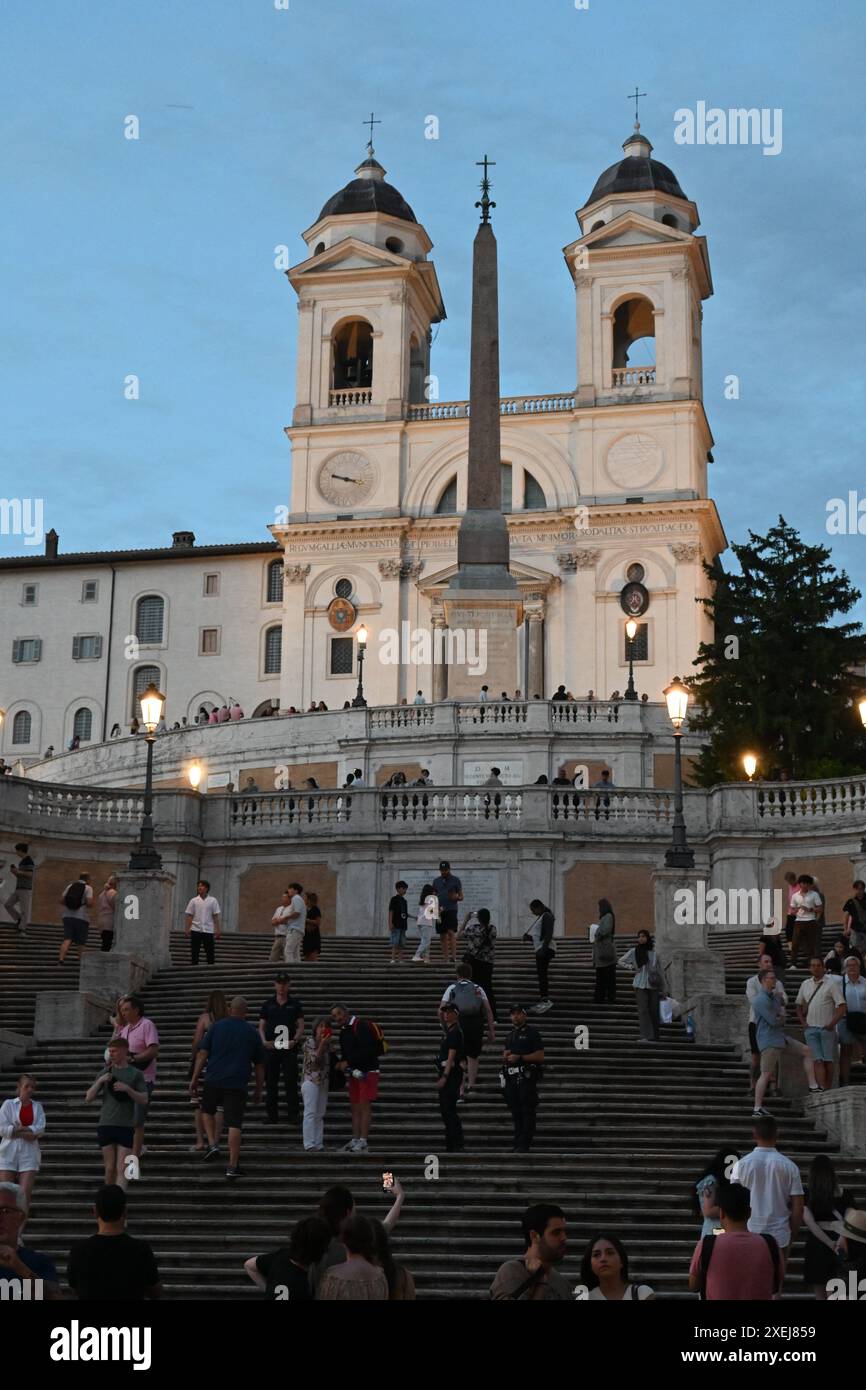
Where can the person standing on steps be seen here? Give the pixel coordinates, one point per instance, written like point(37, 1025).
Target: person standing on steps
point(473, 1008)
point(772, 1039)
point(361, 1046)
point(851, 1030)
point(229, 1049)
point(450, 1061)
point(478, 935)
point(279, 924)
point(20, 900)
point(649, 985)
point(311, 946)
point(823, 1217)
point(203, 923)
point(540, 935)
point(22, 1123)
point(77, 901)
point(808, 910)
point(428, 918)
point(143, 1039)
point(449, 891)
point(853, 915)
point(753, 988)
point(105, 905)
point(296, 923)
point(123, 1088)
point(775, 1189)
point(522, 1060)
point(820, 1006)
point(217, 1008)
point(315, 1084)
point(281, 1011)
point(743, 1267)
point(398, 921)
point(534, 1277)
point(604, 955)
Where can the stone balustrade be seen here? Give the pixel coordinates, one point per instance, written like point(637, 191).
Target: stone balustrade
point(354, 395)
point(634, 376)
point(508, 405)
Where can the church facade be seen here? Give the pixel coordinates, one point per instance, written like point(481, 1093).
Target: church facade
point(604, 486)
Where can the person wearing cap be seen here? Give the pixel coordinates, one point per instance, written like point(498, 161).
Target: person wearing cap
point(522, 1057)
point(449, 891)
point(853, 1245)
point(281, 1010)
point(450, 1061)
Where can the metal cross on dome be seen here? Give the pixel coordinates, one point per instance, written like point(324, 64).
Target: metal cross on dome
point(371, 121)
point(635, 97)
point(485, 204)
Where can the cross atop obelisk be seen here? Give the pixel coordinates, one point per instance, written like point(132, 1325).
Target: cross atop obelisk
point(485, 204)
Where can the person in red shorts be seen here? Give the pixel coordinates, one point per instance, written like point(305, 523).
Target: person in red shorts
point(734, 1263)
point(359, 1059)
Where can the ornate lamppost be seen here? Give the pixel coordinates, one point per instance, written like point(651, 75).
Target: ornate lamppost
point(631, 633)
point(359, 702)
point(680, 855)
point(144, 855)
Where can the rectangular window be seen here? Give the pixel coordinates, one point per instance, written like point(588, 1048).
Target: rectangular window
point(641, 643)
point(30, 595)
point(89, 590)
point(211, 585)
point(342, 656)
point(26, 649)
point(210, 641)
point(86, 648)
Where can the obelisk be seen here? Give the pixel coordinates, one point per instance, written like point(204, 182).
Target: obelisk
point(482, 601)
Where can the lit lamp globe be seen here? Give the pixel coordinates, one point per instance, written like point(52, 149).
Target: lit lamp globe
point(677, 698)
point(152, 703)
point(3, 714)
point(631, 629)
point(861, 707)
point(363, 634)
point(194, 774)
point(750, 763)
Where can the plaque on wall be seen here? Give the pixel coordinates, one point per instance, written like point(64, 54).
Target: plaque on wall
point(634, 600)
point(341, 614)
point(475, 774)
point(481, 888)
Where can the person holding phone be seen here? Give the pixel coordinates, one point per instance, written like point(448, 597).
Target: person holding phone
point(315, 1073)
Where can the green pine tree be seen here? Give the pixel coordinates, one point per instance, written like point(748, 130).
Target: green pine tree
point(776, 680)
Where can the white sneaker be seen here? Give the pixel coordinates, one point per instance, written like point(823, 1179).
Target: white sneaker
point(361, 1146)
point(351, 1147)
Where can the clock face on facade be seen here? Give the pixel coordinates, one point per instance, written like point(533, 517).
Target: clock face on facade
point(346, 479)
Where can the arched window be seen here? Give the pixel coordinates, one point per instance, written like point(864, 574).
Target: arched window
point(22, 726)
point(352, 346)
point(595, 226)
point(142, 678)
point(82, 724)
point(149, 618)
point(447, 503)
point(417, 371)
point(634, 334)
point(275, 581)
point(273, 651)
point(534, 499)
point(669, 220)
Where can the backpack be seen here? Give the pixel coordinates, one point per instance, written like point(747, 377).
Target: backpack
point(380, 1042)
point(708, 1245)
point(75, 895)
point(465, 995)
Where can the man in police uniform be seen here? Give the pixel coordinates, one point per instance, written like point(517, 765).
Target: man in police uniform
point(451, 1054)
point(521, 1071)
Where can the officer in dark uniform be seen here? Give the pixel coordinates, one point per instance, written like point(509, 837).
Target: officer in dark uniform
point(452, 1052)
point(520, 1075)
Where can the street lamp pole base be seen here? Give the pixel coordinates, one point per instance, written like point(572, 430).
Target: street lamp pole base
point(680, 858)
point(143, 857)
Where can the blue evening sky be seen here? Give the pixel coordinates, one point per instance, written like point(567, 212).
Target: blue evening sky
point(155, 257)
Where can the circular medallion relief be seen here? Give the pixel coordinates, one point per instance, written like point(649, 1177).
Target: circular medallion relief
point(634, 461)
point(346, 479)
point(341, 614)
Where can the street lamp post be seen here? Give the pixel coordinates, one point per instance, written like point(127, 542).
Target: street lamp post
point(359, 702)
point(680, 855)
point(631, 633)
point(144, 855)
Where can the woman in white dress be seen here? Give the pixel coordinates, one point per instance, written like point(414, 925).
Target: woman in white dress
point(22, 1121)
point(428, 916)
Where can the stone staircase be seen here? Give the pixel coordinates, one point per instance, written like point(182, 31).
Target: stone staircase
point(623, 1129)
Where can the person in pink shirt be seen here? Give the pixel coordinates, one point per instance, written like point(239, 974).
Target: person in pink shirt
point(236, 712)
point(213, 717)
point(223, 716)
point(143, 1039)
point(733, 1263)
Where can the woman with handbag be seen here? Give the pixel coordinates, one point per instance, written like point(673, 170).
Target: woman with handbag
point(823, 1216)
point(604, 955)
point(315, 1084)
point(648, 984)
point(851, 1029)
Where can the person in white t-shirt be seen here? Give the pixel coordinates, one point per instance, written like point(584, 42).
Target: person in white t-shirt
point(808, 910)
point(278, 922)
point(296, 921)
point(775, 1188)
point(820, 1006)
point(203, 922)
